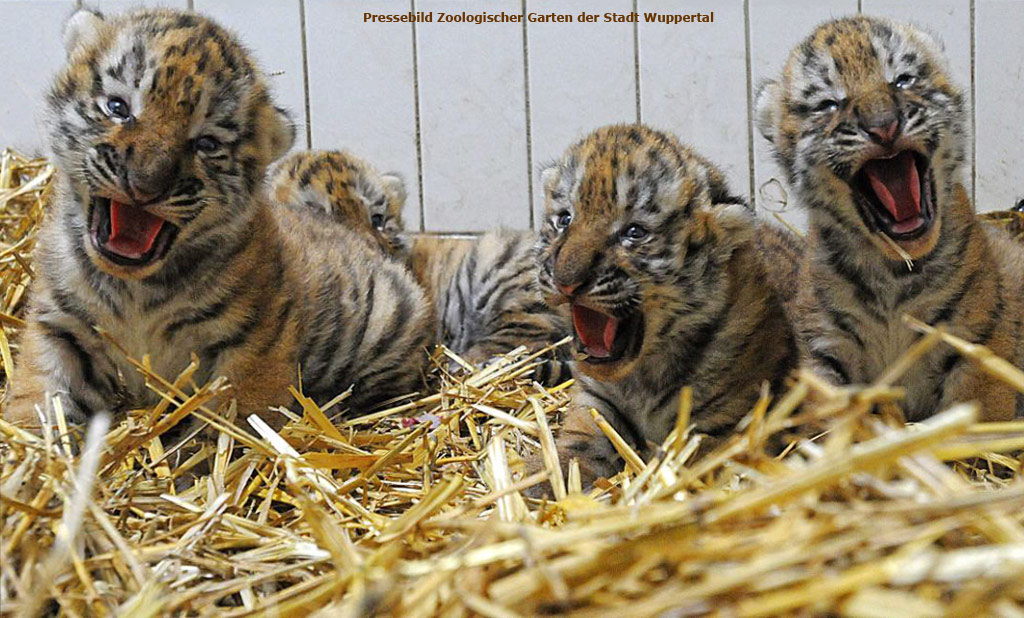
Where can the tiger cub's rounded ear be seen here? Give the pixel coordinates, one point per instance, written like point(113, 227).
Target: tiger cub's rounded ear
point(727, 225)
point(280, 132)
point(549, 176)
point(395, 185)
point(767, 108)
point(82, 29)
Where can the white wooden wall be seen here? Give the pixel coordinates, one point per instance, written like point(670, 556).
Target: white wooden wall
point(467, 113)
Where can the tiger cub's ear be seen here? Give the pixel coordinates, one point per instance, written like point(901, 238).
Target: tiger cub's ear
point(280, 132)
point(767, 108)
point(550, 174)
point(394, 184)
point(721, 228)
point(82, 30)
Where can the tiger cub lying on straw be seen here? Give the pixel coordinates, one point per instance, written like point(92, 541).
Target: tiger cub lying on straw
point(484, 290)
point(870, 132)
point(665, 288)
point(162, 129)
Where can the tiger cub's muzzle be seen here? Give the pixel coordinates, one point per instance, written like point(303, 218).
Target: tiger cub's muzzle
point(607, 330)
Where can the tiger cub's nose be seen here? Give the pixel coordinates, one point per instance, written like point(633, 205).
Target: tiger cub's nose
point(567, 289)
point(883, 128)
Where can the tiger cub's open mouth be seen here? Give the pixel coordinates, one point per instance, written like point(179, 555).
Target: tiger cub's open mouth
point(604, 338)
point(127, 234)
point(896, 195)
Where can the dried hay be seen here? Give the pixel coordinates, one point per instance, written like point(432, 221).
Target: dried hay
point(418, 509)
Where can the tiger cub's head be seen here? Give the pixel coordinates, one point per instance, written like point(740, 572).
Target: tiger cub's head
point(636, 236)
point(164, 128)
point(346, 189)
point(869, 129)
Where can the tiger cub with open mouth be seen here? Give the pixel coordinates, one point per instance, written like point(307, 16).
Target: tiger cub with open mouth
point(665, 289)
point(162, 129)
point(869, 129)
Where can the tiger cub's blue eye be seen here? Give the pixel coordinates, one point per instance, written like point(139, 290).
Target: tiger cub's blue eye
point(828, 105)
point(904, 81)
point(635, 232)
point(118, 108)
point(207, 143)
point(563, 219)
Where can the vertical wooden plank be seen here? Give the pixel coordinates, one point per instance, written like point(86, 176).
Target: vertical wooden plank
point(272, 30)
point(776, 27)
point(472, 119)
point(999, 75)
point(582, 76)
point(32, 52)
point(950, 21)
point(693, 80)
point(361, 88)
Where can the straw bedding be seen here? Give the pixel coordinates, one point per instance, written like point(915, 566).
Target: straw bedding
point(419, 509)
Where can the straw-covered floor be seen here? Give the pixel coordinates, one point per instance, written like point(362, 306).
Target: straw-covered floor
point(419, 510)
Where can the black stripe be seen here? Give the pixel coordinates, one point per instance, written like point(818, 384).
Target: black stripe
point(316, 352)
point(834, 364)
point(356, 337)
point(838, 262)
point(695, 347)
point(947, 310)
point(484, 297)
point(204, 314)
point(667, 397)
point(82, 358)
point(189, 261)
point(842, 321)
point(399, 323)
point(235, 339)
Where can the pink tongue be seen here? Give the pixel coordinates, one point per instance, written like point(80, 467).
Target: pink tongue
point(132, 230)
point(595, 329)
point(896, 183)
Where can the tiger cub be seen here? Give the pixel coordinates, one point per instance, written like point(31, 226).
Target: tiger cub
point(869, 129)
point(162, 129)
point(665, 289)
point(484, 289)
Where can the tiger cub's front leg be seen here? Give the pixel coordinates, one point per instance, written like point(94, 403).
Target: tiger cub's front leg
point(55, 360)
point(581, 439)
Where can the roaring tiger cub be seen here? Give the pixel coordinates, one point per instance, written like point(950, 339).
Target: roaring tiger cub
point(484, 289)
point(869, 129)
point(162, 129)
point(665, 288)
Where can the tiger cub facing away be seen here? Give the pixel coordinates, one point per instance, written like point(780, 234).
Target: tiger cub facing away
point(870, 132)
point(665, 289)
point(162, 129)
point(484, 289)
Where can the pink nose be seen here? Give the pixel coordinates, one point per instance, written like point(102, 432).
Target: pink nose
point(567, 289)
point(885, 133)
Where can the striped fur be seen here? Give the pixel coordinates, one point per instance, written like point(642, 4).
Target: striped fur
point(782, 254)
point(347, 190)
point(486, 300)
point(631, 231)
point(855, 287)
point(255, 292)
